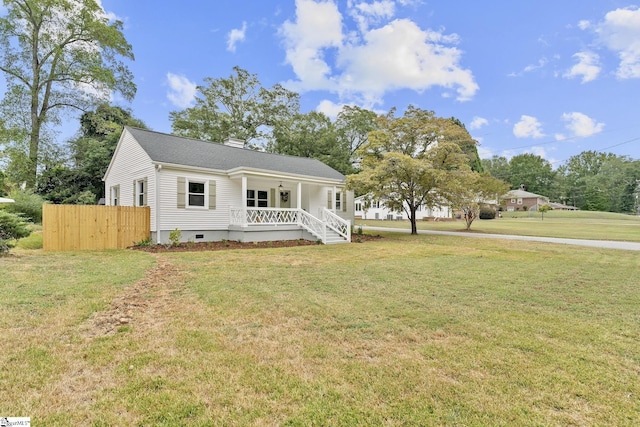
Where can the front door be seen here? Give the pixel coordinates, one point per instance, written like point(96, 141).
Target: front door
point(285, 199)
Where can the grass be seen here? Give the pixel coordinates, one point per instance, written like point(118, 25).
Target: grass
point(410, 330)
point(565, 224)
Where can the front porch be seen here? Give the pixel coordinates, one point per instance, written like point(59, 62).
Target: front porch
point(327, 227)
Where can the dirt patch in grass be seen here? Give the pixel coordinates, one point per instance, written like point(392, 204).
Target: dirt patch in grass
point(148, 294)
point(234, 244)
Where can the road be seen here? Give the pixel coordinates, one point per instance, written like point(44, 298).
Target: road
point(607, 244)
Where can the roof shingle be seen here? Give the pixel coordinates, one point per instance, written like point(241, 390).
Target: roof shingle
point(172, 149)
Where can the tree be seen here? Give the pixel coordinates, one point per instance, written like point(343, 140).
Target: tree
point(409, 162)
point(497, 167)
point(473, 191)
point(12, 227)
point(77, 178)
point(532, 171)
point(56, 55)
point(237, 107)
point(311, 135)
point(543, 210)
point(353, 125)
point(467, 144)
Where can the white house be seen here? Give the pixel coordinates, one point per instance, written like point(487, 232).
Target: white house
point(213, 191)
point(378, 210)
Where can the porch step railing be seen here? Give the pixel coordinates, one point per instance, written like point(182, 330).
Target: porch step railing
point(330, 229)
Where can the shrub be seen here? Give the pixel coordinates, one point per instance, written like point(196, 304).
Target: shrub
point(12, 227)
point(28, 204)
point(175, 236)
point(487, 213)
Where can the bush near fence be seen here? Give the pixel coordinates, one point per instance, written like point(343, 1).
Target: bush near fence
point(82, 227)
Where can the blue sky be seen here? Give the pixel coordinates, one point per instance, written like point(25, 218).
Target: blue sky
point(548, 77)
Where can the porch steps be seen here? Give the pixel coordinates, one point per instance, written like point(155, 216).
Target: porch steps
point(334, 238)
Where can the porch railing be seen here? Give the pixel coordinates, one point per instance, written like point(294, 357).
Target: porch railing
point(276, 216)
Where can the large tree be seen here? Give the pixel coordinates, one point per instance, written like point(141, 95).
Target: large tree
point(311, 135)
point(57, 55)
point(531, 171)
point(77, 177)
point(409, 162)
point(236, 107)
point(353, 125)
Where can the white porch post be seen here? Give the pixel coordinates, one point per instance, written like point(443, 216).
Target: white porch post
point(299, 197)
point(335, 196)
point(244, 201)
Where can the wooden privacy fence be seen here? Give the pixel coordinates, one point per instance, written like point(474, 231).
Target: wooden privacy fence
point(82, 227)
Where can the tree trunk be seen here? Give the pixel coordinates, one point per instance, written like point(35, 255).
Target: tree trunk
point(412, 218)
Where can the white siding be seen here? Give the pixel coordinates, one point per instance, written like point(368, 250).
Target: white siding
point(131, 163)
point(191, 218)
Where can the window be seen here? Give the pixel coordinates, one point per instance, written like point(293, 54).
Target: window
point(140, 194)
point(358, 206)
point(519, 201)
point(195, 193)
point(338, 201)
point(115, 195)
point(257, 198)
point(198, 194)
point(513, 200)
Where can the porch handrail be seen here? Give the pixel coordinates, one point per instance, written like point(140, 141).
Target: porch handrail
point(337, 224)
point(264, 216)
point(290, 216)
point(313, 225)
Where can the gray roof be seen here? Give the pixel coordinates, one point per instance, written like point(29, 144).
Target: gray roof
point(172, 149)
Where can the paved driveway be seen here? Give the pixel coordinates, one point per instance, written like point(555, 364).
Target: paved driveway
point(608, 244)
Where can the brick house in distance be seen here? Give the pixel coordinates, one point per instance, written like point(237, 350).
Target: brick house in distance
point(520, 200)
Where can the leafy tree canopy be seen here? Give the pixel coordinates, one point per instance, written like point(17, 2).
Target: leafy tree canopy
point(236, 107)
point(56, 55)
point(409, 161)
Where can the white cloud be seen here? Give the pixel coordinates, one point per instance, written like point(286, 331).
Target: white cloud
point(318, 26)
point(367, 14)
point(181, 90)
point(329, 108)
point(584, 24)
point(478, 122)
point(235, 36)
point(396, 55)
point(528, 127)
point(580, 125)
point(620, 32)
point(588, 67)
point(530, 68)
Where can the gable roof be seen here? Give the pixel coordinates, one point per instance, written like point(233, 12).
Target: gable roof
point(176, 150)
point(523, 195)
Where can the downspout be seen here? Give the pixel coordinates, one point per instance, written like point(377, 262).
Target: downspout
point(157, 204)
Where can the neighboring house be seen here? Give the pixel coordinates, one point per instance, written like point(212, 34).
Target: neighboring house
point(376, 209)
point(212, 191)
point(562, 207)
point(518, 200)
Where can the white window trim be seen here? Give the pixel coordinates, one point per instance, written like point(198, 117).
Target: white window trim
point(115, 195)
point(255, 192)
point(141, 194)
point(205, 183)
point(519, 201)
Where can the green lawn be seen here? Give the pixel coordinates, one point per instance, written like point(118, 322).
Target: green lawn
point(409, 330)
point(573, 225)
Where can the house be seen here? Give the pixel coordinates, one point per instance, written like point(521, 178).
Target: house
point(212, 191)
point(562, 207)
point(367, 208)
point(520, 200)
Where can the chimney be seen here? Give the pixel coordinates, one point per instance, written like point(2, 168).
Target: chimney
point(234, 142)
